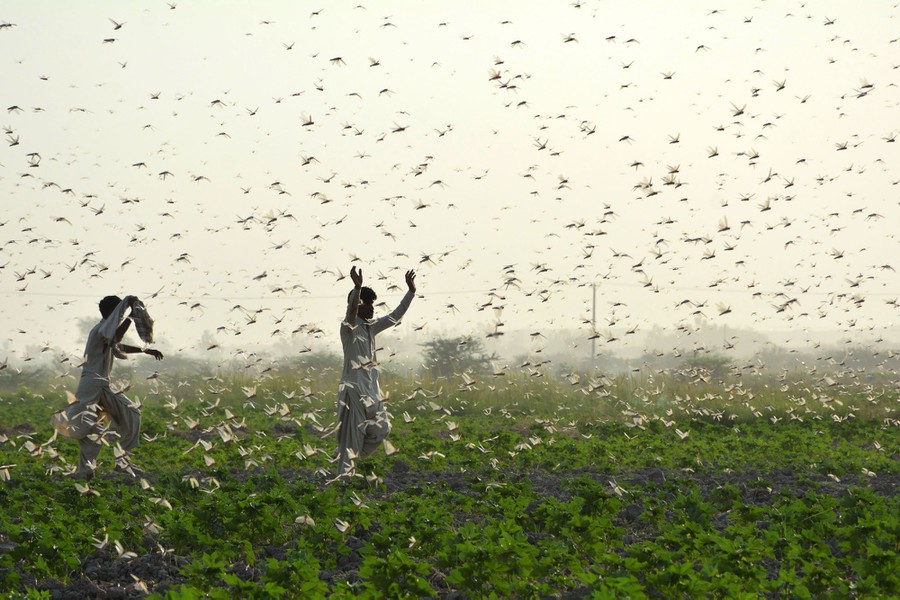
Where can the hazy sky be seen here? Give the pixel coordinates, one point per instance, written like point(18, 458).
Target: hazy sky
point(732, 162)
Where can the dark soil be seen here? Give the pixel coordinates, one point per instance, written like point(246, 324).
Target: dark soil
point(104, 575)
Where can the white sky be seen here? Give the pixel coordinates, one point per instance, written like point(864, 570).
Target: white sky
point(220, 89)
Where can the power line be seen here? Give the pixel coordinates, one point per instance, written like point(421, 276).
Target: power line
point(458, 292)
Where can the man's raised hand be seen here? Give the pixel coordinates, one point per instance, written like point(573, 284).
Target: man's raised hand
point(411, 280)
point(356, 276)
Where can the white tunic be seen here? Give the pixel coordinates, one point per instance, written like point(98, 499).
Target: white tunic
point(98, 356)
point(360, 371)
point(362, 421)
point(80, 420)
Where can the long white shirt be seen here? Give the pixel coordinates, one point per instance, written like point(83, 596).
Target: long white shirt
point(98, 356)
point(360, 372)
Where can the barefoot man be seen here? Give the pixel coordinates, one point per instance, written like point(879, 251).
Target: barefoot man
point(362, 421)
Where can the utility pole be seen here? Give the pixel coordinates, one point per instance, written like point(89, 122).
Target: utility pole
point(593, 325)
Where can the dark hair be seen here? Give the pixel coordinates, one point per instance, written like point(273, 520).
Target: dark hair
point(109, 304)
point(366, 294)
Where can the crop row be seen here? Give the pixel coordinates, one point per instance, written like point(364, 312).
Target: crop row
point(234, 498)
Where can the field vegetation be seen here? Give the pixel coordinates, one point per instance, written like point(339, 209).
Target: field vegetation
point(702, 480)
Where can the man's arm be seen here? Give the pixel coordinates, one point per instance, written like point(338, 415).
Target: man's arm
point(353, 302)
point(121, 330)
point(394, 317)
point(135, 350)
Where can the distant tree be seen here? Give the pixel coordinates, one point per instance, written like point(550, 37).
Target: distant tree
point(445, 357)
point(321, 361)
point(710, 365)
point(85, 324)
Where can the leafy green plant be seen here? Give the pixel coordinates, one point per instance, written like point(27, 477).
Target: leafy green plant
point(656, 489)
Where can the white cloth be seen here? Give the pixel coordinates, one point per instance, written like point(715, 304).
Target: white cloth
point(362, 421)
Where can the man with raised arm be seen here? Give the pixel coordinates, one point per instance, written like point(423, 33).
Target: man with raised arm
point(362, 421)
point(81, 420)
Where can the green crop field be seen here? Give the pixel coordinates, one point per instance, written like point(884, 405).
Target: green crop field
point(660, 486)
